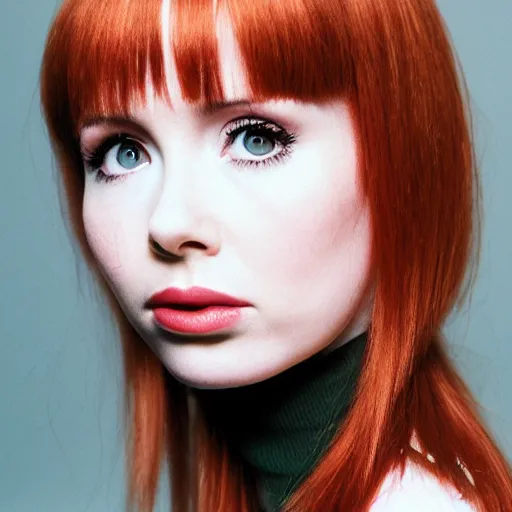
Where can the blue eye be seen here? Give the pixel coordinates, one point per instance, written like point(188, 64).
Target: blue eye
point(261, 138)
point(131, 155)
point(258, 144)
point(127, 156)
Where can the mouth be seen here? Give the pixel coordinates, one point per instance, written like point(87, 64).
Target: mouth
point(187, 307)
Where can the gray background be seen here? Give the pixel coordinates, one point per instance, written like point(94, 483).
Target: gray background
point(60, 448)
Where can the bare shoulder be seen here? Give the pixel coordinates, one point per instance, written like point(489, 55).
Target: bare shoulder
point(420, 491)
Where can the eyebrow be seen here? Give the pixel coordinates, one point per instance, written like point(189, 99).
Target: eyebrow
point(202, 111)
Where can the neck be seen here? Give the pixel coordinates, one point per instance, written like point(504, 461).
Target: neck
point(282, 426)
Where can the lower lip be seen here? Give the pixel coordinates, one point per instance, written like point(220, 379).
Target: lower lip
point(210, 319)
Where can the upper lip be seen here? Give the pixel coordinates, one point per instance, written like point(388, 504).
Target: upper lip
point(195, 296)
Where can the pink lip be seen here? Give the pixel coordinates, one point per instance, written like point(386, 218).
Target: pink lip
point(206, 320)
point(216, 310)
point(195, 296)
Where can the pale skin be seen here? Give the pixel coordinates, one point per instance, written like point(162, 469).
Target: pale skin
point(292, 238)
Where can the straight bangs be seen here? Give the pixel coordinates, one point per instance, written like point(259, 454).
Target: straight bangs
point(101, 56)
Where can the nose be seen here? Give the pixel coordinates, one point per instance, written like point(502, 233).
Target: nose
point(182, 220)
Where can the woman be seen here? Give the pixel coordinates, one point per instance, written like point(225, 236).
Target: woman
point(313, 159)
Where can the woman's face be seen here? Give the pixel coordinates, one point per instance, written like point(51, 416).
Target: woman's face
point(272, 216)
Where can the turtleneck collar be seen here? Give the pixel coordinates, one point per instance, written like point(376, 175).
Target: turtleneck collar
point(281, 427)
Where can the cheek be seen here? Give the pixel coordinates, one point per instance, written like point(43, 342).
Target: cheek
point(104, 239)
point(331, 243)
point(316, 252)
point(328, 226)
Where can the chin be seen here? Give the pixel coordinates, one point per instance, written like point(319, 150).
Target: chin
point(219, 377)
point(215, 382)
point(230, 363)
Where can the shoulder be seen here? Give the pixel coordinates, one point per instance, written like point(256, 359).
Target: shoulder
point(417, 490)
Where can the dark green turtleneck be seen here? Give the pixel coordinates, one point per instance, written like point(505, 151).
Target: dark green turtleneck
point(281, 427)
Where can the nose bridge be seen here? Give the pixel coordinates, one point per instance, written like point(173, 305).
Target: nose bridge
point(181, 184)
point(181, 211)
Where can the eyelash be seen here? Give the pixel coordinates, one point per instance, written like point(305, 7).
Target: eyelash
point(95, 159)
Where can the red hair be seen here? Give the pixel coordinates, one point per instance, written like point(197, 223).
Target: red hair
point(393, 63)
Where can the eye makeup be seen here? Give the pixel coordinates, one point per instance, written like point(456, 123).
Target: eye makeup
point(253, 126)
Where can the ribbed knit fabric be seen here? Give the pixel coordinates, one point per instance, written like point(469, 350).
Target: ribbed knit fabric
point(281, 427)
